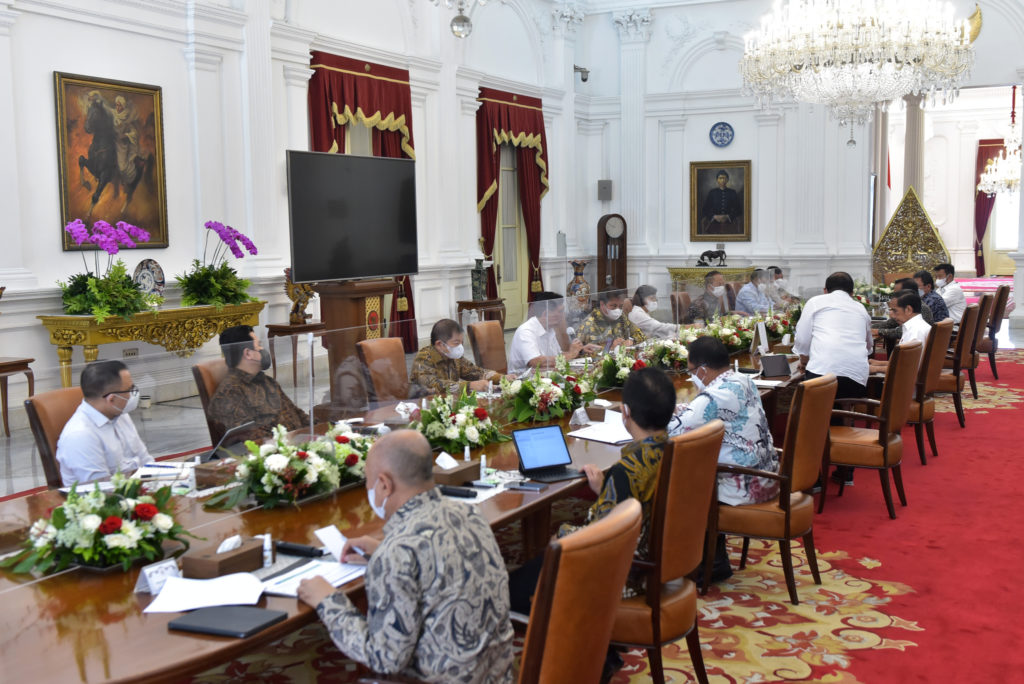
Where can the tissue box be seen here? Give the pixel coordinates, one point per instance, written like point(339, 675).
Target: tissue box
point(205, 562)
point(215, 474)
point(466, 471)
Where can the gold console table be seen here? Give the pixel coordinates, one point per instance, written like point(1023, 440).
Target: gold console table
point(180, 330)
point(683, 276)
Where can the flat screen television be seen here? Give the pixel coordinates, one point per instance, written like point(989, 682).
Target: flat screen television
point(351, 217)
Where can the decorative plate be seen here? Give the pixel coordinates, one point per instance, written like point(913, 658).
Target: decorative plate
point(149, 276)
point(721, 134)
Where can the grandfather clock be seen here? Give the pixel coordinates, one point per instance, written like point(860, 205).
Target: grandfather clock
point(611, 252)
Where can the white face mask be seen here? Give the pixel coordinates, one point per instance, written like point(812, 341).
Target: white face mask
point(781, 283)
point(941, 282)
point(614, 314)
point(920, 292)
point(651, 304)
point(761, 287)
point(697, 382)
point(718, 290)
point(456, 352)
point(371, 496)
point(131, 403)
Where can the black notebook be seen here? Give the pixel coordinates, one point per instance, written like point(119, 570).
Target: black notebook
point(233, 621)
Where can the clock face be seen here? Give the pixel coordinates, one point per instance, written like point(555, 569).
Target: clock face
point(614, 227)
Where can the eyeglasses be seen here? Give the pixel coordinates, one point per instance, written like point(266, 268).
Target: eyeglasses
point(134, 389)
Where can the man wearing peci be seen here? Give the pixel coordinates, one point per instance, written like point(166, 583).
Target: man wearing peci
point(436, 584)
point(722, 213)
point(442, 368)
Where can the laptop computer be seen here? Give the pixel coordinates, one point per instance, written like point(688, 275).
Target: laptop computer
point(231, 621)
point(543, 454)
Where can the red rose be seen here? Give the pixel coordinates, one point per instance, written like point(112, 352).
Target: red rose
point(110, 525)
point(569, 378)
point(480, 413)
point(301, 455)
point(415, 415)
point(351, 460)
point(577, 390)
point(638, 364)
point(341, 439)
point(145, 511)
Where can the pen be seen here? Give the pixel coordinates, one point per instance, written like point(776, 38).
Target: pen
point(160, 465)
point(359, 551)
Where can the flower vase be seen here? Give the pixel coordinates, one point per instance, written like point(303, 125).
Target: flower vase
point(578, 286)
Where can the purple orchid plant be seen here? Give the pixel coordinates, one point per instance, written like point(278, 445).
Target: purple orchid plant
point(107, 238)
point(229, 239)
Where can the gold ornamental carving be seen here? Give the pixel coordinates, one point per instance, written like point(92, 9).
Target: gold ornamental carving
point(683, 276)
point(909, 242)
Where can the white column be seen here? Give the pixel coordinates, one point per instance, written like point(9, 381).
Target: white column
point(13, 273)
point(913, 153)
point(1017, 316)
point(466, 91)
point(881, 169)
point(765, 203)
point(205, 87)
point(634, 31)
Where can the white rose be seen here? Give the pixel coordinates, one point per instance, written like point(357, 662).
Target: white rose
point(726, 332)
point(163, 522)
point(460, 419)
point(118, 541)
point(276, 463)
point(311, 477)
point(545, 381)
point(622, 374)
point(472, 434)
point(242, 471)
point(91, 522)
point(128, 505)
point(452, 433)
point(267, 449)
point(515, 386)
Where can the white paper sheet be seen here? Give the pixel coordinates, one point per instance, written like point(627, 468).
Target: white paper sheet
point(768, 383)
point(180, 594)
point(332, 539)
point(611, 431)
point(335, 573)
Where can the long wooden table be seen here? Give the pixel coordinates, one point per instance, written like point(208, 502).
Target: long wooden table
point(80, 626)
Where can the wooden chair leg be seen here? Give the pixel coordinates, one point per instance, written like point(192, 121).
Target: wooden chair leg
point(787, 570)
point(992, 363)
point(897, 477)
point(930, 427)
point(693, 645)
point(709, 557)
point(919, 436)
point(974, 382)
point(743, 553)
point(657, 671)
point(958, 403)
point(812, 555)
point(883, 475)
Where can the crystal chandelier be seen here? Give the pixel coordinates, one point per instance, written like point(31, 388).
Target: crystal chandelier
point(854, 54)
point(461, 25)
point(1002, 174)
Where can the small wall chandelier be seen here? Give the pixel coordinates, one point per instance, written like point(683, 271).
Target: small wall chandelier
point(1002, 174)
point(854, 54)
point(461, 25)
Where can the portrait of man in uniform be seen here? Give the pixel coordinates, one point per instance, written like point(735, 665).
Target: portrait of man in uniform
point(720, 201)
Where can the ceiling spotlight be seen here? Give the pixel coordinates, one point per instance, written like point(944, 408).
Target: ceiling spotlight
point(584, 73)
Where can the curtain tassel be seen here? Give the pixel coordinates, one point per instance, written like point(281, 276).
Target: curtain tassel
point(535, 284)
point(402, 303)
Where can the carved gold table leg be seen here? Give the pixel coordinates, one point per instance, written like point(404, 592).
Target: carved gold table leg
point(91, 352)
point(64, 355)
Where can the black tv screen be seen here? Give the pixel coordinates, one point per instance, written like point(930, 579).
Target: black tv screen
point(351, 217)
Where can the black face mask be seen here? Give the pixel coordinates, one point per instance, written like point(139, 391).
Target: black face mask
point(264, 359)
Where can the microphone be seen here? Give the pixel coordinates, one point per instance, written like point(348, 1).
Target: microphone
point(212, 453)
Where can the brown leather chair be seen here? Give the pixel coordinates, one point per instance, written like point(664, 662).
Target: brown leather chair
point(922, 406)
point(48, 412)
point(208, 376)
point(878, 448)
point(668, 609)
point(791, 514)
point(574, 606)
point(890, 278)
point(488, 342)
point(989, 345)
point(384, 360)
point(984, 312)
point(952, 381)
point(732, 291)
point(680, 302)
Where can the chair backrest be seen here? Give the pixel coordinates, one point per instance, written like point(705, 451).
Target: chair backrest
point(934, 356)
point(488, 342)
point(890, 278)
point(965, 338)
point(574, 606)
point(806, 431)
point(984, 311)
point(384, 360)
point(48, 412)
point(208, 376)
point(732, 291)
point(900, 379)
point(680, 306)
point(686, 481)
point(995, 321)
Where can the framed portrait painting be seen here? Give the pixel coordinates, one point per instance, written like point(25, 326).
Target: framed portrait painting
point(110, 155)
point(720, 201)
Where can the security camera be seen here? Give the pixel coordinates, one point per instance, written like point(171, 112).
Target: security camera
point(584, 73)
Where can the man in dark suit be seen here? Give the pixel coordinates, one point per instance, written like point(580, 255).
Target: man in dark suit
point(722, 213)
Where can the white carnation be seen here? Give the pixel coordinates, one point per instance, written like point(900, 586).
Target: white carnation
point(472, 434)
point(91, 522)
point(267, 449)
point(276, 463)
point(118, 541)
point(163, 522)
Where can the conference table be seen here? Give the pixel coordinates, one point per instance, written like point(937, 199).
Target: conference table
point(80, 625)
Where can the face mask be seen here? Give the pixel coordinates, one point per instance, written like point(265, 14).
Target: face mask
point(614, 314)
point(761, 287)
point(781, 283)
point(371, 495)
point(652, 304)
point(920, 292)
point(941, 282)
point(718, 291)
point(264, 359)
point(131, 403)
point(697, 382)
point(454, 352)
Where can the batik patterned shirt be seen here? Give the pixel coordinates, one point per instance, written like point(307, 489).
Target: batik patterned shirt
point(441, 375)
point(437, 597)
point(242, 397)
point(937, 304)
point(734, 399)
point(598, 329)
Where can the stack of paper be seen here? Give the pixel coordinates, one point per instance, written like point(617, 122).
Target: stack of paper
point(287, 584)
point(180, 594)
point(611, 431)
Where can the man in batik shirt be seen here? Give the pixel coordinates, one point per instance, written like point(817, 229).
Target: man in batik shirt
point(442, 368)
point(607, 324)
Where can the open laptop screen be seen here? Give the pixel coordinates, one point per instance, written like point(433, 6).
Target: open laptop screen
point(541, 447)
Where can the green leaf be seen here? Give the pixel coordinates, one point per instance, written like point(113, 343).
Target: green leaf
point(59, 518)
point(28, 562)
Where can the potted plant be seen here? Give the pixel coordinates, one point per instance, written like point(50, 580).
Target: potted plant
point(113, 293)
point(214, 282)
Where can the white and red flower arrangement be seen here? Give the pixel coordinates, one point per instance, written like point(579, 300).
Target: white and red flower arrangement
point(545, 397)
point(453, 422)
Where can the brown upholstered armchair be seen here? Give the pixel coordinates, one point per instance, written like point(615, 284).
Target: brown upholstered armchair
point(952, 382)
point(680, 302)
point(922, 406)
point(488, 342)
point(208, 376)
point(972, 361)
point(990, 345)
point(384, 360)
point(48, 412)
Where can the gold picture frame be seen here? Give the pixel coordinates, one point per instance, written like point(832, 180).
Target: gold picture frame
point(110, 155)
point(720, 213)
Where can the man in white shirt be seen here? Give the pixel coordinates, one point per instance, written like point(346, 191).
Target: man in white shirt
point(777, 285)
point(950, 290)
point(534, 343)
point(752, 297)
point(100, 438)
point(905, 309)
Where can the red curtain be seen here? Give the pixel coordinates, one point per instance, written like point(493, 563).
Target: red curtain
point(518, 120)
point(983, 203)
point(350, 91)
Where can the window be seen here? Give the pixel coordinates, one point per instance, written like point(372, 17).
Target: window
point(1004, 221)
